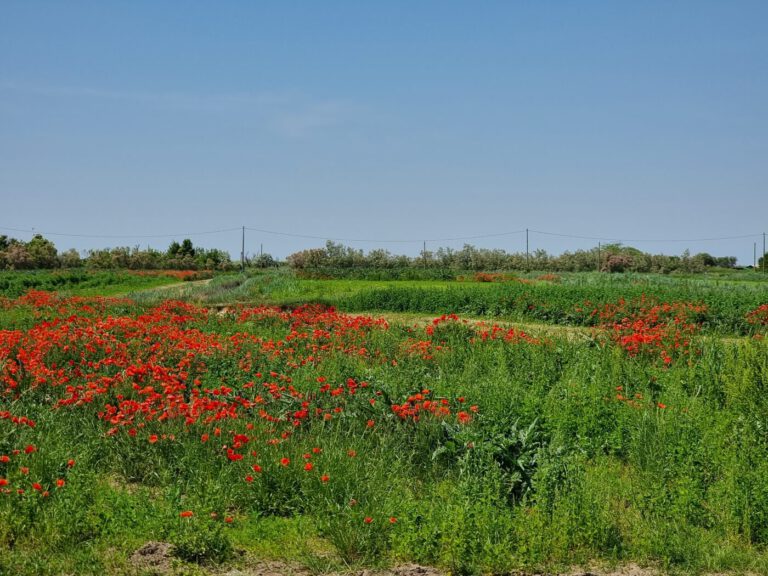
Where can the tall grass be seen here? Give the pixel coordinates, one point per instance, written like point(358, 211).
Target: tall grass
point(577, 452)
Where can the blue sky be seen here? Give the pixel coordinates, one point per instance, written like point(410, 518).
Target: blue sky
point(391, 121)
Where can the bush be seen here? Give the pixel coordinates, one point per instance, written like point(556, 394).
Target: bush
point(201, 542)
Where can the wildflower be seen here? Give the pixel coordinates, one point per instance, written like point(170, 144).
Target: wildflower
point(153, 438)
point(392, 519)
point(324, 478)
point(29, 449)
point(285, 461)
point(60, 483)
point(186, 514)
point(367, 519)
point(308, 466)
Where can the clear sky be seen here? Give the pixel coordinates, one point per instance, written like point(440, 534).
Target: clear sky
point(386, 120)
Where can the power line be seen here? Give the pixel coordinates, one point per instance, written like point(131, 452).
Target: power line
point(379, 240)
point(118, 236)
point(605, 239)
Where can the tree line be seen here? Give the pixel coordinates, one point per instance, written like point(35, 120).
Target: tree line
point(39, 252)
point(608, 258)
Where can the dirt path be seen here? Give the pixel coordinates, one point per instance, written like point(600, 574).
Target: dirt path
point(178, 287)
point(537, 329)
point(157, 558)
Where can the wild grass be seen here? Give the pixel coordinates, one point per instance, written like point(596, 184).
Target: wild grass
point(552, 451)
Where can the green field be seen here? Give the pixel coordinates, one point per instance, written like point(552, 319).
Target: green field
point(583, 420)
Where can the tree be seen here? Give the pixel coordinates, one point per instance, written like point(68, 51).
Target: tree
point(187, 249)
point(42, 252)
point(264, 261)
point(70, 259)
point(17, 257)
point(173, 249)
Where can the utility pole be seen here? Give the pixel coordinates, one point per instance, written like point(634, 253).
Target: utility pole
point(424, 254)
point(261, 249)
point(242, 252)
point(764, 258)
point(754, 255)
point(598, 256)
point(527, 253)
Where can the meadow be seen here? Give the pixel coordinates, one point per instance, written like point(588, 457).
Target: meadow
point(489, 425)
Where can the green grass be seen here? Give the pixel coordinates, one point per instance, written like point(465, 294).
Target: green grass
point(579, 453)
point(79, 282)
point(568, 302)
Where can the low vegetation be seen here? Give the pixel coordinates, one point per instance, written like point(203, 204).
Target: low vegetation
point(338, 439)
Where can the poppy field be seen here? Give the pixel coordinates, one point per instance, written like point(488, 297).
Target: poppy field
point(339, 439)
